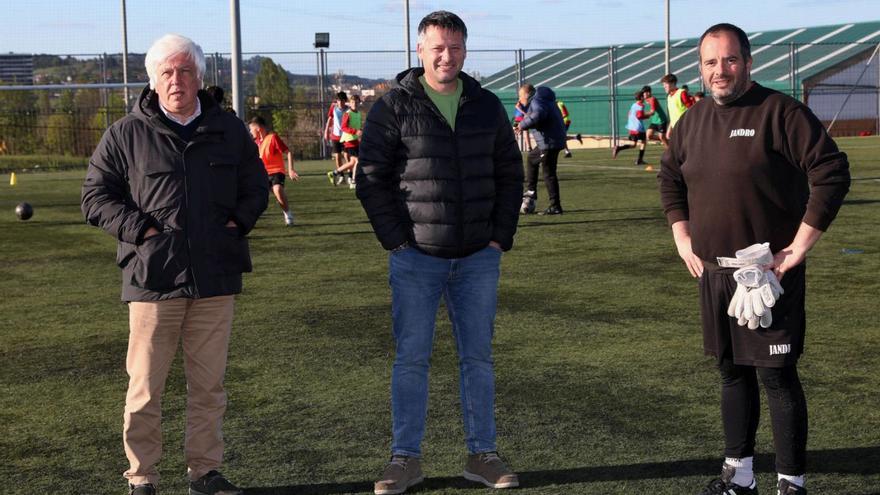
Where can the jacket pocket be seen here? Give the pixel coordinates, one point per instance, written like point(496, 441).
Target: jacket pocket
point(230, 253)
point(160, 262)
point(224, 183)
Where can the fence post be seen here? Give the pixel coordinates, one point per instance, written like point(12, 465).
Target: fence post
point(612, 89)
point(105, 103)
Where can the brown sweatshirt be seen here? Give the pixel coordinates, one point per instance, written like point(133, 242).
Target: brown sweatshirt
point(750, 172)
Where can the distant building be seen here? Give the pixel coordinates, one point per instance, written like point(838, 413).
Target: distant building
point(16, 69)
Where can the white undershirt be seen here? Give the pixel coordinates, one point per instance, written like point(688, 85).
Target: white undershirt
point(188, 119)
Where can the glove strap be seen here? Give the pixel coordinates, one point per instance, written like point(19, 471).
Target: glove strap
point(725, 262)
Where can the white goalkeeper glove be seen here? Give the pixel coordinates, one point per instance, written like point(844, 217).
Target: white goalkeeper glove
point(757, 289)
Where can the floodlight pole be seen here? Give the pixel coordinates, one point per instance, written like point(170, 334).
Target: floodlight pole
point(235, 25)
point(125, 94)
point(406, 27)
point(666, 57)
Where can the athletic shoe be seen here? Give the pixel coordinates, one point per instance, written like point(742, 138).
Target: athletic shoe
point(724, 485)
point(351, 185)
point(786, 487)
point(400, 473)
point(641, 162)
point(144, 489)
point(528, 203)
point(331, 176)
point(579, 138)
point(567, 154)
point(487, 468)
point(552, 210)
point(339, 179)
point(213, 483)
point(349, 180)
point(288, 218)
point(615, 151)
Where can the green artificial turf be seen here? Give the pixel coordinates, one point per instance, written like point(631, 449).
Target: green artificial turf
point(602, 386)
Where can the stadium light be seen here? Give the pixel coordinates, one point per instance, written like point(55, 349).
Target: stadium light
point(322, 40)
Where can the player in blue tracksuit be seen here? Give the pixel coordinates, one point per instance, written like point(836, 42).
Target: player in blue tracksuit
point(548, 129)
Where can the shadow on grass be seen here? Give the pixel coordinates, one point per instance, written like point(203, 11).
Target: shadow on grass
point(858, 461)
point(861, 201)
point(525, 225)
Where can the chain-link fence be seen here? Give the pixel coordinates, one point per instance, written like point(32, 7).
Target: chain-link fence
point(596, 84)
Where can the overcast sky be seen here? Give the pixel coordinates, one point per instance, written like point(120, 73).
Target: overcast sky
point(94, 26)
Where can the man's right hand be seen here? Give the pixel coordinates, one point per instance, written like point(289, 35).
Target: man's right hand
point(682, 235)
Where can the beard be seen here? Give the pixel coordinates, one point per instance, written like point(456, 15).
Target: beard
point(732, 92)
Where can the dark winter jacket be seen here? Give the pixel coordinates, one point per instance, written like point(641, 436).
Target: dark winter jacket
point(144, 175)
point(447, 192)
point(544, 117)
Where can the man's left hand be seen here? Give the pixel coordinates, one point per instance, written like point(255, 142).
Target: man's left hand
point(293, 175)
point(786, 259)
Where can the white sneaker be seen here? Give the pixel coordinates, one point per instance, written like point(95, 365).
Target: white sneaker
point(351, 185)
point(340, 178)
point(349, 180)
point(288, 218)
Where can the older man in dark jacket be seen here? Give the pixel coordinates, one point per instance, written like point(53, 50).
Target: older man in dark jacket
point(440, 177)
point(179, 183)
point(543, 117)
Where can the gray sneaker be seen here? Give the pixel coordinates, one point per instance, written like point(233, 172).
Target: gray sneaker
point(213, 483)
point(488, 469)
point(400, 473)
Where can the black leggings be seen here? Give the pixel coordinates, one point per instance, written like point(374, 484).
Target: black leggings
point(741, 409)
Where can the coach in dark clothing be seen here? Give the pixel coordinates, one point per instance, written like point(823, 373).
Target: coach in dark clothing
point(543, 117)
point(440, 177)
point(751, 166)
point(179, 183)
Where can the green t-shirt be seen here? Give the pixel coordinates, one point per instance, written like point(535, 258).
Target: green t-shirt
point(447, 104)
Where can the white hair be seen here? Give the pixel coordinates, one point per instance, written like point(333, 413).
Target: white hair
point(168, 46)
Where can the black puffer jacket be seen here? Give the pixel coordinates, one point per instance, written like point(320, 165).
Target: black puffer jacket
point(448, 193)
point(545, 119)
point(144, 175)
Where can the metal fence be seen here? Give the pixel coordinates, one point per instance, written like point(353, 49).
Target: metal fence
point(596, 84)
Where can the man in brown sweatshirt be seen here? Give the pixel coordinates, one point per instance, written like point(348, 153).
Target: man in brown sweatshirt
point(748, 166)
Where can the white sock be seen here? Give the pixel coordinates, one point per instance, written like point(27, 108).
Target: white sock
point(795, 480)
point(744, 475)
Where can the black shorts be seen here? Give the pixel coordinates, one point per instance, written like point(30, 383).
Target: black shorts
point(637, 136)
point(661, 128)
point(774, 347)
point(276, 179)
point(353, 151)
point(337, 146)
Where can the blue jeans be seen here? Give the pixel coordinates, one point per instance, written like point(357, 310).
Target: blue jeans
point(470, 288)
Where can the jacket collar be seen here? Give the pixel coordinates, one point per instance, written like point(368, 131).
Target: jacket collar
point(147, 108)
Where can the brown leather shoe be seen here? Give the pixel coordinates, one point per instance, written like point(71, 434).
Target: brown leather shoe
point(488, 469)
point(400, 473)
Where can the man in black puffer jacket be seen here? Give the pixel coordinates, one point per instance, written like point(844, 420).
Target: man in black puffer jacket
point(440, 177)
point(179, 183)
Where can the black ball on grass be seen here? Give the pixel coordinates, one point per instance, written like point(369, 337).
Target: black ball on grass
point(24, 211)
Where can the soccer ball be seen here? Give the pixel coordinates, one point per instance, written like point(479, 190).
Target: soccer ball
point(24, 211)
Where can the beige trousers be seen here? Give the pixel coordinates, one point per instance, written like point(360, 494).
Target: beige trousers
point(156, 328)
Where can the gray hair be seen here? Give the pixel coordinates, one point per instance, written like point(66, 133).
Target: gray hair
point(168, 46)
